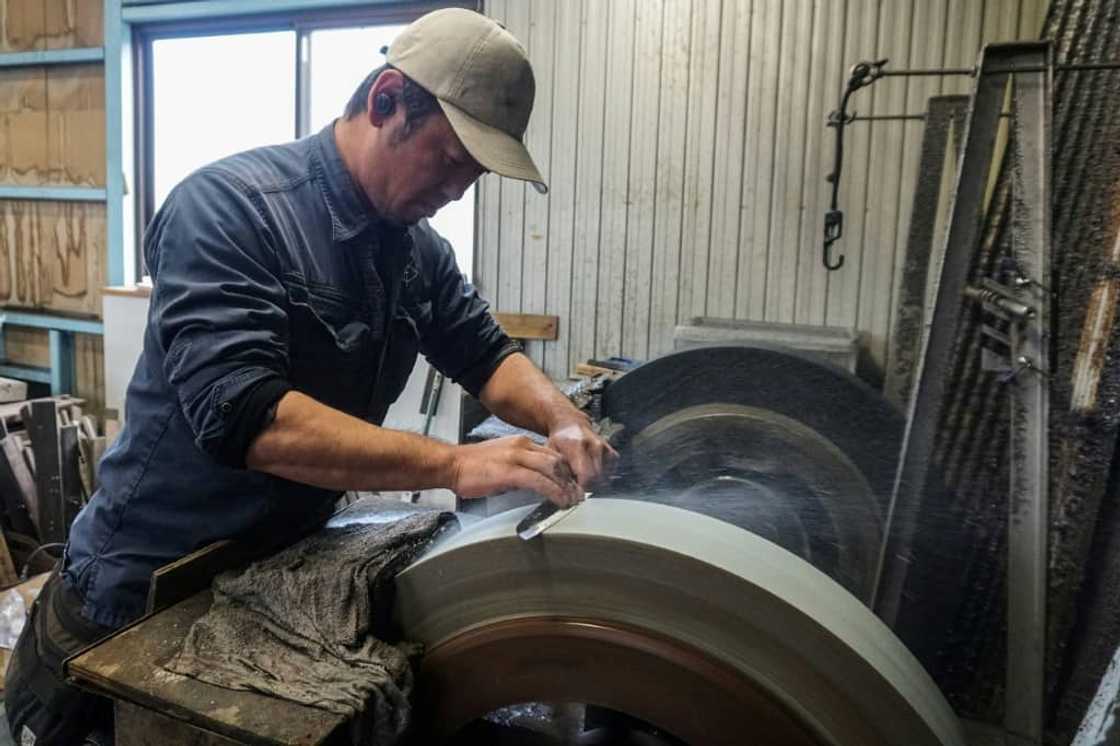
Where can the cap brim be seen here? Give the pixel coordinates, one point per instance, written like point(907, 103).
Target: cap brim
point(496, 150)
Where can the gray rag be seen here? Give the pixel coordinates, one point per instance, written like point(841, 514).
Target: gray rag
point(300, 625)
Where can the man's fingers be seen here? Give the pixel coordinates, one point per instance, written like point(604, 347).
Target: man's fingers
point(551, 468)
point(537, 482)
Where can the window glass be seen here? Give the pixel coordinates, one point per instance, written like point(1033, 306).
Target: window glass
point(217, 95)
point(339, 60)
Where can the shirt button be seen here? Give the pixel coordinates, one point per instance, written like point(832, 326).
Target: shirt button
point(225, 407)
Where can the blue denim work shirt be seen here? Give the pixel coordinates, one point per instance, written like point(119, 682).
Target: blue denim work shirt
point(270, 269)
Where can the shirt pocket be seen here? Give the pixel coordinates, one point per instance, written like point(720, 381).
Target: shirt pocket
point(330, 346)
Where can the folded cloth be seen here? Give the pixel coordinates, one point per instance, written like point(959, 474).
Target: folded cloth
point(302, 624)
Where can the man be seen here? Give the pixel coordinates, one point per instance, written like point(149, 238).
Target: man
point(293, 287)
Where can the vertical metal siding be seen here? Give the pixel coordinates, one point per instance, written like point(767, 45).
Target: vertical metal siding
point(685, 146)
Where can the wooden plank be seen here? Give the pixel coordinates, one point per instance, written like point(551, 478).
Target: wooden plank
point(562, 182)
point(589, 181)
point(193, 573)
point(699, 159)
point(529, 325)
point(727, 176)
point(128, 291)
point(76, 125)
point(22, 25)
point(616, 161)
point(540, 39)
point(74, 23)
point(641, 206)
point(811, 292)
point(590, 371)
point(672, 135)
point(762, 127)
point(795, 60)
point(52, 255)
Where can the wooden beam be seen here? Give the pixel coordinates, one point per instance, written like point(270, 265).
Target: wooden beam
point(529, 325)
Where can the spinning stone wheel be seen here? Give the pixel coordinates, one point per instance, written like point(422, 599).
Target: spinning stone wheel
point(699, 631)
point(778, 442)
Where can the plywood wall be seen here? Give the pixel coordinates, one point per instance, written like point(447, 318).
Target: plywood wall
point(685, 145)
point(52, 132)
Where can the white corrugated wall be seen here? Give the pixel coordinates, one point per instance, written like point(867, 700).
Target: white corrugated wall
point(685, 145)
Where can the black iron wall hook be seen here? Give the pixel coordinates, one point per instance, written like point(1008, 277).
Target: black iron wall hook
point(862, 74)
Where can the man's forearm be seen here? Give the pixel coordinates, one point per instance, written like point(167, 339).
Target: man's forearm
point(315, 444)
point(312, 443)
point(519, 393)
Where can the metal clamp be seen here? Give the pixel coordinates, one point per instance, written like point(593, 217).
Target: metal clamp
point(1022, 363)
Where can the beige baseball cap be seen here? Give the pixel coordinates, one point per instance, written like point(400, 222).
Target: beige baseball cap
point(482, 78)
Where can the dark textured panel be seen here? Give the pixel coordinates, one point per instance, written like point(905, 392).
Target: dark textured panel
point(1084, 616)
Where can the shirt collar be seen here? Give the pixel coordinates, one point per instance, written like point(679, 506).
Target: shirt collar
point(350, 209)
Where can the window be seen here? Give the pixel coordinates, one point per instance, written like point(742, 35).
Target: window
point(211, 90)
point(216, 95)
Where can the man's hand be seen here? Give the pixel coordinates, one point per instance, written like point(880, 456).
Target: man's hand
point(511, 463)
point(588, 454)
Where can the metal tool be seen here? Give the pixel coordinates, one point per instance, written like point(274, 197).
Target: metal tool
point(545, 516)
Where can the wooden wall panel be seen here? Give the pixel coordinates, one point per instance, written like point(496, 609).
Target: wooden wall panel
point(52, 125)
point(74, 23)
point(52, 256)
point(76, 125)
point(27, 25)
point(23, 126)
point(27, 346)
point(22, 25)
point(691, 136)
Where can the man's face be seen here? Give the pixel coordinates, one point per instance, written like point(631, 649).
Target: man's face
point(430, 167)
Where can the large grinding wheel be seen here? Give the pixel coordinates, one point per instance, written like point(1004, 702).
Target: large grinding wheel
point(772, 440)
point(704, 630)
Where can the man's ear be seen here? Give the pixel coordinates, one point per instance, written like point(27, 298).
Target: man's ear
point(389, 86)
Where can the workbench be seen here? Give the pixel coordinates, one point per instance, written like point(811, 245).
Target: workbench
point(155, 707)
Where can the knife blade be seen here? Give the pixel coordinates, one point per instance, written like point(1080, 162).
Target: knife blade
point(544, 516)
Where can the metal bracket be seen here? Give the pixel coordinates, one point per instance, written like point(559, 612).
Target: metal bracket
point(1025, 304)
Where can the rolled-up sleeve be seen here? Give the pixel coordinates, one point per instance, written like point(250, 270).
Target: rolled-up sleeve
point(458, 335)
point(218, 309)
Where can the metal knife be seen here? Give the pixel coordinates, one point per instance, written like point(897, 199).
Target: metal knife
point(544, 516)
